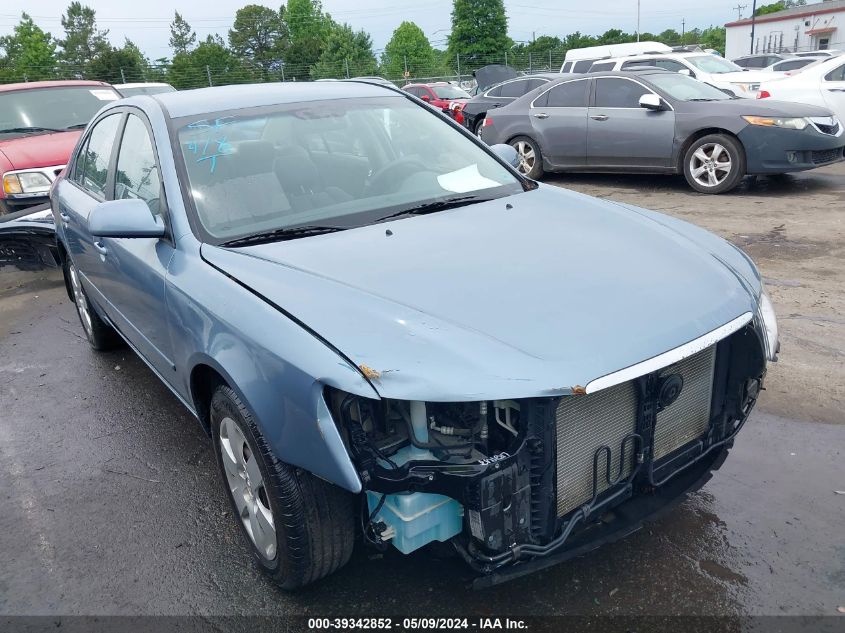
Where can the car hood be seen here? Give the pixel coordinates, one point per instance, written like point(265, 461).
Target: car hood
point(492, 301)
point(39, 150)
point(493, 74)
point(759, 107)
point(750, 76)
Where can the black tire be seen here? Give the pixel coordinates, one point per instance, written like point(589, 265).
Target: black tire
point(723, 181)
point(479, 123)
point(531, 168)
point(101, 336)
point(314, 521)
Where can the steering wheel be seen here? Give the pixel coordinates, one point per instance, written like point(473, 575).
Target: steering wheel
point(390, 177)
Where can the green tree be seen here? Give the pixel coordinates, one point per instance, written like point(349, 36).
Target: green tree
point(82, 41)
point(29, 53)
point(210, 57)
point(119, 65)
point(309, 29)
point(779, 6)
point(259, 36)
point(182, 36)
point(408, 44)
point(713, 37)
point(345, 51)
point(479, 30)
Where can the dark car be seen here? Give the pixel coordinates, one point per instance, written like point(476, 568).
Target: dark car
point(499, 95)
point(760, 60)
point(655, 121)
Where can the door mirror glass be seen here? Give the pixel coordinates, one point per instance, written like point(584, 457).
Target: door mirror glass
point(124, 218)
point(685, 71)
point(651, 102)
point(506, 153)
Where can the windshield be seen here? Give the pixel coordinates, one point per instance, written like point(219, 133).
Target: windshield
point(49, 109)
point(713, 64)
point(685, 88)
point(145, 90)
point(339, 163)
point(450, 92)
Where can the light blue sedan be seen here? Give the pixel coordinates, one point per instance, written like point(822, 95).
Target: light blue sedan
point(388, 332)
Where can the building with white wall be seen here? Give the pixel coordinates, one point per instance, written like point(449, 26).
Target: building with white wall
point(804, 28)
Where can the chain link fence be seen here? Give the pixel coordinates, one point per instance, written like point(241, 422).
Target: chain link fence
point(182, 75)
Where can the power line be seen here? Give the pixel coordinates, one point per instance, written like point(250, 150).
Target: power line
point(739, 9)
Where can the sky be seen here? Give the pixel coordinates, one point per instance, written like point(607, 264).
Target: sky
point(148, 23)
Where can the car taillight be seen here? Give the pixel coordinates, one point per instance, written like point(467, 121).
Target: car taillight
point(488, 121)
point(764, 94)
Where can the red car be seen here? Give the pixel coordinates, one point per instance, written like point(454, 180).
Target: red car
point(40, 122)
point(443, 95)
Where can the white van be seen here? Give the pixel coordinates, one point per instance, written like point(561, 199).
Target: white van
point(579, 60)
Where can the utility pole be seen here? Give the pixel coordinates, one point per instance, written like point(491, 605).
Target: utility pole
point(638, 20)
point(739, 9)
point(753, 18)
point(683, 29)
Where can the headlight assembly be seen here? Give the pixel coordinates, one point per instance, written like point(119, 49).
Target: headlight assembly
point(770, 325)
point(797, 123)
point(26, 182)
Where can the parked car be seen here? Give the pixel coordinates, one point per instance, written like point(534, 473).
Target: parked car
point(40, 122)
point(579, 60)
point(362, 350)
point(821, 84)
point(28, 239)
point(716, 71)
point(439, 94)
point(830, 52)
point(759, 60)
point(662, 122)
point(151, 88)
point(791, 65)
point(496, 96)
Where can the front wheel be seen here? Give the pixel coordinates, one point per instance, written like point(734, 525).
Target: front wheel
point(530, 158)
point(714, 164)
point(299, 528)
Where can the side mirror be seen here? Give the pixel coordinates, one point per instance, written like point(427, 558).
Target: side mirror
point(425, 98)
point(506, 153)
point(685, 71)
point(124, 218)
point(651, 102)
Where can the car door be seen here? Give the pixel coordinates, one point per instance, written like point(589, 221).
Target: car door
point(833, 91)
point(134, 269)
point(620, 133)
point(83, 188)
point(559, 119)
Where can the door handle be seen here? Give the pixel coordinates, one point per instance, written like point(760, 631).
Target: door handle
point(599, 117)
point(64, 216)
point(541, 115)
point(101, 249)
point(835, 89)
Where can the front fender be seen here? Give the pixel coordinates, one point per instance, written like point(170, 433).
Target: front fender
point(277, 368)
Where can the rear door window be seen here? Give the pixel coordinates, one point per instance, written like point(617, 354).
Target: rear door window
point(602, 66)
point(572, 94)
point(582, 66)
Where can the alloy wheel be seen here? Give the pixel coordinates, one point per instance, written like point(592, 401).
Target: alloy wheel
point(247, 487)
point(80, 300)
point(527, 157)
point(710, 164)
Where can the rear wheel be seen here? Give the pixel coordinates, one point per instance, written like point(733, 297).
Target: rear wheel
point(299, 528)
point(479, 123)
point(100, 334)
point(530, 158)
point(714, 164)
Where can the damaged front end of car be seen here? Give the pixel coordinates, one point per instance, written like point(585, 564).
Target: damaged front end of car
point(517, 485)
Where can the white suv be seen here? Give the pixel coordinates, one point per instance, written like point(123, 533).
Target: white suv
point(711, 69)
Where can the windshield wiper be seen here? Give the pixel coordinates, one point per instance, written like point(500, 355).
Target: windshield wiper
point(278, 235)
point(704, 99)
point(76, 126)
point(438, 205)
point(30, 128)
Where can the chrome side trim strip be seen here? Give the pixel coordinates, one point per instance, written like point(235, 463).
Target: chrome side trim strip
point(668, 358)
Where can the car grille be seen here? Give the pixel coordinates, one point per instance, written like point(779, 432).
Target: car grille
point(607, 417)
point(826, 125)
point(822, 156)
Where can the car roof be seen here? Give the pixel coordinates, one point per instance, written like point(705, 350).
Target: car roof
point(142, 84)
point(33, 85)
point(204, 100)
point(670, 55)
